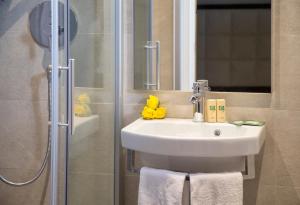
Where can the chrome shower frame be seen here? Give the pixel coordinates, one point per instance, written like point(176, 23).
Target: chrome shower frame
point(55, 96)
point(54, 103)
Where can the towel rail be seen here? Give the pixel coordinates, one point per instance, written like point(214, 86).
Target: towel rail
point(248, 173)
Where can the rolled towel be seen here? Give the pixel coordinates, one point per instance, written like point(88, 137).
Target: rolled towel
point(160, 187)
point(217, 189)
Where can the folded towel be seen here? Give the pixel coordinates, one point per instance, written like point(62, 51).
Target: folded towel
point(216, 189)
point(160, 187)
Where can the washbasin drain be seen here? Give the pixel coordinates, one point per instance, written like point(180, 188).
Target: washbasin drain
point(217, 132)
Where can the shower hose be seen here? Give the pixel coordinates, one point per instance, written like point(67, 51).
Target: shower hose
point(42, 167)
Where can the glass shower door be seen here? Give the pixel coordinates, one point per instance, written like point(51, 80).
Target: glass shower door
point(83, 102)
point(90, 151)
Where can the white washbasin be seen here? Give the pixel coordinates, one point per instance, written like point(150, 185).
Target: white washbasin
point(183, 137)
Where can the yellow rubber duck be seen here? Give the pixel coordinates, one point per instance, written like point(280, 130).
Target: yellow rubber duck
point(152, 109)
point(160, 113)
point(152, 102)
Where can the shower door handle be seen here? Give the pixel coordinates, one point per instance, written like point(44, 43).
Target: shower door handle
point(70, 98)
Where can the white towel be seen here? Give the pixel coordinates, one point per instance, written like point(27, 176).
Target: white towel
point(217, 189)
point(160, 187)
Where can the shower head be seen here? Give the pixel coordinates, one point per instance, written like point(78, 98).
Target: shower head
point(40, 24)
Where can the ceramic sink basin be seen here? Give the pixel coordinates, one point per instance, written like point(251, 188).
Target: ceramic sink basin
point(183, 137)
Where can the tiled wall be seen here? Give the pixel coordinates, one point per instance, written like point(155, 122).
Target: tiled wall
point(277, 167)
point(23, 105)
point(235, 44)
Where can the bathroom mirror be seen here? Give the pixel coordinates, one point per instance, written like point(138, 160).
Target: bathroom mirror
point(227, 42)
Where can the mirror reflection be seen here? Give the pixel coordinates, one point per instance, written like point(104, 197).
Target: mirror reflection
point(227, 42)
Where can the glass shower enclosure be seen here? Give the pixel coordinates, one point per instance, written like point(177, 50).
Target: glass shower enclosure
point(60, 78)
point(84, 105)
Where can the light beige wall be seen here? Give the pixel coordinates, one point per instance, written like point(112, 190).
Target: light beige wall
point(277, 167)
point(163, 32)
point(23, 106)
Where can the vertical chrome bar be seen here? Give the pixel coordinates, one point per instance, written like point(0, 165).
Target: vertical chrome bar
point(150, 44)
point(70, 99)
point(118, 97)
point(54, 102)
point(67, 56)
point(158, 65)
point(147, 66)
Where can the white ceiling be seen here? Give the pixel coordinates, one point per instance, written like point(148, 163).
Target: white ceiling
point(233, 1)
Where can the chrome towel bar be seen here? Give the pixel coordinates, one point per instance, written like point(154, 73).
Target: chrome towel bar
point(249, 172)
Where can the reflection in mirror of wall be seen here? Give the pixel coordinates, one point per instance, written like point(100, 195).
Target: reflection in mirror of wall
point(227, 42)
point(149, 17)
point(234, 45)
point(171, 64)
point(92, 47)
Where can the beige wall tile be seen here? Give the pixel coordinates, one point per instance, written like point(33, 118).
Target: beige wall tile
point(287, 195)
point(92, 155)
point(289, 12)
point(131, 190)
point(33, 194)
point(90, 189)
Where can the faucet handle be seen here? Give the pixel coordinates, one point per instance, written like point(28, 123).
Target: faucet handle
point(203, 82)
point(200, 86)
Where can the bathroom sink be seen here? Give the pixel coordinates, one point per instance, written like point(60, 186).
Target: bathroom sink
point(183, 137)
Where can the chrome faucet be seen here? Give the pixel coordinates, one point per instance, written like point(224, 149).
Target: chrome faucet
point(200, 87)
